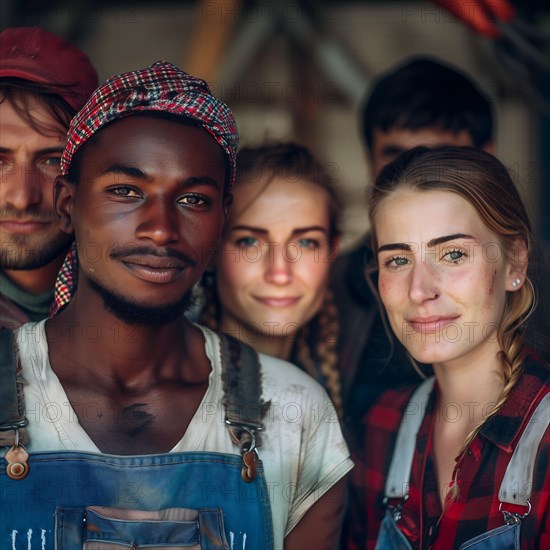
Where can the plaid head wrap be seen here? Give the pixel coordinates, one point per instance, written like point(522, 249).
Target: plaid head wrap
point(161, 87)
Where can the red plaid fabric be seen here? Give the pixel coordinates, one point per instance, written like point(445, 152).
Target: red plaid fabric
point(65, 284)
point(476, 511)
point(160, 87)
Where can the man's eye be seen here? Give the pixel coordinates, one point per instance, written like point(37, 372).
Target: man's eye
point(50, 164)
point(125, 192)
point(192, 200)
point(52, 161)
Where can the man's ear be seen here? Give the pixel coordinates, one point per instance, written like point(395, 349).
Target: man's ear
point(63, 199)
point(517, 266)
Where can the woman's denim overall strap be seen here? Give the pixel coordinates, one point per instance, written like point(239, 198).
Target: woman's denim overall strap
point(397, 482)
point(48, 508)
point(515, 486)
point(505, 537)
point(390, 536)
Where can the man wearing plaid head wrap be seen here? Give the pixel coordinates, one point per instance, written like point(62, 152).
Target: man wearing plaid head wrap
point(44, 80)
point(146, 189)
point(161, 88)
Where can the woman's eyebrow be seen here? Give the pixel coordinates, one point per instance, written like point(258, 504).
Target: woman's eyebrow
point(250, 228)
point(430, 244)
point(447, 238)
point(299, 230)
point(262, 230)
point(394, 246)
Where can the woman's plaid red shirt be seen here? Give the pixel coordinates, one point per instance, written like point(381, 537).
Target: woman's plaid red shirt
point(482, 468)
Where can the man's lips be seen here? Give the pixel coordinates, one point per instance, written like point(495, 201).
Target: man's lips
point(155, 269)
point(155, 262)
point(432, 323)
point(273, 301)
point(24, 226)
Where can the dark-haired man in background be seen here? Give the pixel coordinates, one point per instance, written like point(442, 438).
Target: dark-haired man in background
point(44, 81)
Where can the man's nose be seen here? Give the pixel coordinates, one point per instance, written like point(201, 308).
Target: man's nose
point(159, 222)
point(24, 188)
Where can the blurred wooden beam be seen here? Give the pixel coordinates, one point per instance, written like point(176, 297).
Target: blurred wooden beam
point(216, 20)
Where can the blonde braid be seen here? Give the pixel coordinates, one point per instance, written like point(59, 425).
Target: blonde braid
point(520, 306)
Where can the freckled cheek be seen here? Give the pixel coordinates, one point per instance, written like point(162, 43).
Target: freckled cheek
point(390, 292)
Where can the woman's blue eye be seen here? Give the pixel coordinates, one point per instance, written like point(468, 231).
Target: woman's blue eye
point(308, 243)
point(247, 241)
point(396, 261)
point(455, 255)
point(399, 261)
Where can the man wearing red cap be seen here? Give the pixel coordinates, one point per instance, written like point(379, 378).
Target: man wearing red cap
point(44, 81)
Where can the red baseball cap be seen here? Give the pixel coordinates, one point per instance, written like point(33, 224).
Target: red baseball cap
point(34, 54)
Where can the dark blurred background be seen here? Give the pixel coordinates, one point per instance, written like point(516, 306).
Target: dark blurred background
point(299, 70)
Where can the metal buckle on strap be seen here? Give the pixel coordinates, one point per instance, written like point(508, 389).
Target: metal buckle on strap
point(248, 426)
point(249, 430)
point(248, 450)
point(395, 510)
point(17, 425)
point(513, 518)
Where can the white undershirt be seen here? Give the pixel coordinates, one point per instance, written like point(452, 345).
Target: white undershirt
point(303, 451)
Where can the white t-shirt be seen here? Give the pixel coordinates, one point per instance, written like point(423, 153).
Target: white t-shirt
point(303, 451)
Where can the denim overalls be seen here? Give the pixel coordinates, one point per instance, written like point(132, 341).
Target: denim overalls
point(203, 502)
point(519, 473)
point(90, 501)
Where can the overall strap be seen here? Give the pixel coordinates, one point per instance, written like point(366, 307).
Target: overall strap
point(518, 479)
point(12, 406)
point(397, 483)
point(244, 408)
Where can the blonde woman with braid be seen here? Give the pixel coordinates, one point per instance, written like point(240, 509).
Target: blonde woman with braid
point(462, 461)
point(269, 285)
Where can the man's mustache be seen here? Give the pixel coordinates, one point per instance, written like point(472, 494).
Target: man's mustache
point(31, 214)
point(128, 252)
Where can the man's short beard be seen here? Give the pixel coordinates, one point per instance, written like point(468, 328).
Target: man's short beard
point(131, 313)
point(22, 253)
